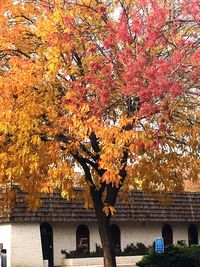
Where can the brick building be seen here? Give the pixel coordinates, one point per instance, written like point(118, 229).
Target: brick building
point(31, 237)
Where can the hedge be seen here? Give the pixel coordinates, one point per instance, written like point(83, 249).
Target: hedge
point(174, 256)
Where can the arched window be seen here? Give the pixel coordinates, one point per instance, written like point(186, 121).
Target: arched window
point(167, 234)
point(116, 237)
point(83, 238)
point(46, 233)
point(192, 235)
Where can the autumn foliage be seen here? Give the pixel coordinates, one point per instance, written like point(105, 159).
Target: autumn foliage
point(108, 87)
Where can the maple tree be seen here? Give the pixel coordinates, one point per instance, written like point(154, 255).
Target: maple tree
point(108, 87)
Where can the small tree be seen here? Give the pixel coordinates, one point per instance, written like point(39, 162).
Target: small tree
point(111, 87)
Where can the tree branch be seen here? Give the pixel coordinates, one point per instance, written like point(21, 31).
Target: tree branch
point(88, 176)
point(94, 142)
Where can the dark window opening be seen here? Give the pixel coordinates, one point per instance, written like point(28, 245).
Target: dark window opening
point(46, 233)
point(193, 235)
point(83, 238)
point(167, 235)
point(116, 237)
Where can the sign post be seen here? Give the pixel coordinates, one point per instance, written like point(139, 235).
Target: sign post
point(159, 245)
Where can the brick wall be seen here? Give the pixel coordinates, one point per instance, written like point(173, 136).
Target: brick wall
point(139, 232)
point(23, 241)
point(26, 250)
point(65, 235)
point(65, 238)
point(147, 232)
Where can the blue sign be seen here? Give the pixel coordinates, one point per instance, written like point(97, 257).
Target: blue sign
point(159, 245)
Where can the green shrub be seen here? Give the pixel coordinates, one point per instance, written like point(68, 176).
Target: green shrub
point(174, 256)
point(81, 253)
point(98, 252)
point(78, 253)
point(138, 249)
point(130, 250)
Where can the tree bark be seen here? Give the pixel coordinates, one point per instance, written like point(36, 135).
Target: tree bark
point(103, 223)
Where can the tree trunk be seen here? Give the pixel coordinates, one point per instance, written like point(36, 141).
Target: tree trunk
point(103, 223)
point(106, 240)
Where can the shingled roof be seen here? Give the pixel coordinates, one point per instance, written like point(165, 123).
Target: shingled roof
point(140, 207)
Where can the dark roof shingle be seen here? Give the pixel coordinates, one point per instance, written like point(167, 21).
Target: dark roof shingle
point(139, 207)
